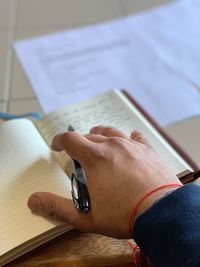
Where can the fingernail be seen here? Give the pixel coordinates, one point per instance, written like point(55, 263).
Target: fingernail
point(34, 203)
point(96, 129)
point(93, 128)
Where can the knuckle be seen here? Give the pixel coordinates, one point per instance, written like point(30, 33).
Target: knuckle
point(71, 219)
point(118, 141)
point(148, 147)
point(98, 154)
point(50, 208)
point(80, 225)
point(152, 149)
point(67, 136)
point(109, 130)
point(89, 135)
point(104, 129)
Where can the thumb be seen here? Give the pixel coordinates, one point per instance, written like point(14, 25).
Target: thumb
point(52, 205)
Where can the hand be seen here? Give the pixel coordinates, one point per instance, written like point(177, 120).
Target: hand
point(119, 170)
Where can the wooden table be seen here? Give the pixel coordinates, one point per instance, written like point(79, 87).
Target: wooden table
point(76, 249)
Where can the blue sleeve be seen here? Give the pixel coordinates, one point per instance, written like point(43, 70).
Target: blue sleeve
point(169, 231)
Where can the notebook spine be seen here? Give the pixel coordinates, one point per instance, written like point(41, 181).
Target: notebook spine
point(185, 155)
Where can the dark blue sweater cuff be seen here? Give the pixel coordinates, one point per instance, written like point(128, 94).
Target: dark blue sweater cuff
point(169, 231)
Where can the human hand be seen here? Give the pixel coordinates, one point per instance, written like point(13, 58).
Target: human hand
point(119, 171)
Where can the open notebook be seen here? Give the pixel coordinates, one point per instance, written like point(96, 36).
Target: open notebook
point(28, 165)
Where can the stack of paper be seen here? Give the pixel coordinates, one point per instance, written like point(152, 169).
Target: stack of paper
point(154, 55)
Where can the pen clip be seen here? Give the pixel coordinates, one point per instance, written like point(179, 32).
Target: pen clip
point(75, 199)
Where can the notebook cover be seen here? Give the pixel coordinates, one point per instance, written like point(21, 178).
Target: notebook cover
point(167, 137)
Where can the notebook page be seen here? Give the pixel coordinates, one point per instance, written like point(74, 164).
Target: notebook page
point(26, 166)
point(113, 109)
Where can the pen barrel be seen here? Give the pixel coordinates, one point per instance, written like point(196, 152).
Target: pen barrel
point(81, 181)
point(83, 196)
point(76, 166)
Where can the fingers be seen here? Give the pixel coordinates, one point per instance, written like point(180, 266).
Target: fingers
point(83, 148)
point(107, 131)
point(76, 145)
point(96, 138)
point(138, 137)
point(54, 206)
point(112, 132)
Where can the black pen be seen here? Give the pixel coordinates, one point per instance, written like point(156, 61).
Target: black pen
point(80, 193)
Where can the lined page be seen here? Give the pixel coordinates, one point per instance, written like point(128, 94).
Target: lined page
point(111, 109)
point(26, 166)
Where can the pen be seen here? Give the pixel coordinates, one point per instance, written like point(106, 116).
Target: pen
point(79, 192)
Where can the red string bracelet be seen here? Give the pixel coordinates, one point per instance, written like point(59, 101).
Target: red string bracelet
point(134, 211)
point(136, 248)
point(139, 259)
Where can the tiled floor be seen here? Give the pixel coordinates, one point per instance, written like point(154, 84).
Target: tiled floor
point(26, 18)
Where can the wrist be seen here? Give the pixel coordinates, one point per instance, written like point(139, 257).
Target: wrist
point(156, 196)
point(148, 200)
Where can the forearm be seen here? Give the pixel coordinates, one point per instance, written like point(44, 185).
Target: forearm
point(169, 231)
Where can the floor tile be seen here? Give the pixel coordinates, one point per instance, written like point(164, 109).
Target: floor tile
point(23, 34)
point(2, 107)
point(3, 64)
point(63, 13)
point(20, 86)
point(133, 6)
point(5, 6)
point(21, 106)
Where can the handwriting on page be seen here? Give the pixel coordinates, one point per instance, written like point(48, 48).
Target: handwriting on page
point(109, 109)
point(105, 109)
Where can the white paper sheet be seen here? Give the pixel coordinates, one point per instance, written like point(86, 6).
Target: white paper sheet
point(66, 67)
point(173, 31)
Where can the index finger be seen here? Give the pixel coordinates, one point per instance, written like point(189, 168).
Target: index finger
point(76, 145)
